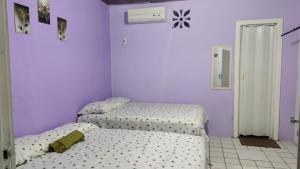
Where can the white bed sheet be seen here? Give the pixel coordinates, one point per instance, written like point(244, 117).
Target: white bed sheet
point(177, 118)
point(127, 149)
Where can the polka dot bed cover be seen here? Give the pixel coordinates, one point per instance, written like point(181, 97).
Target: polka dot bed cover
point(128, 149)
point(177, 118)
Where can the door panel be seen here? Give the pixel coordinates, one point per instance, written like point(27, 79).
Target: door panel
point(7, 160)
point(256, 65)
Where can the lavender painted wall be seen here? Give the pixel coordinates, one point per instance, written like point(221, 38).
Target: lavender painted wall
point(51, 79)
point(163, 65)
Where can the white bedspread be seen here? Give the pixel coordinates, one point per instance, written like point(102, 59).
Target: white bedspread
point(125, 149)
point(178, 118)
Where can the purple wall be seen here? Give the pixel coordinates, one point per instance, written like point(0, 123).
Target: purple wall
point(51, 79)
point(164, 65)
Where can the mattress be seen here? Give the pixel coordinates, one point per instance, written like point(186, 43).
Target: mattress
point(177, 118)
point(127, 149)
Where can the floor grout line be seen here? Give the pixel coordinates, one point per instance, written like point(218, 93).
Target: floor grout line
point(229, 143)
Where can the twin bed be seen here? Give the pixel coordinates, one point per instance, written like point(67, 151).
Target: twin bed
point(177, 118)
point(134, 136)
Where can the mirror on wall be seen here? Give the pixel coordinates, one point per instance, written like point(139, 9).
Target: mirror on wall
point(221, 68)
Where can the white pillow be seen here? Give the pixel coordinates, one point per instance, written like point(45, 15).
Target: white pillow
point(35, 145)
point(53, 135)
point(113, 103)
point(102, 107)
point(93, 108)
point(68, 128)
point(118, 100)
point(28, 147)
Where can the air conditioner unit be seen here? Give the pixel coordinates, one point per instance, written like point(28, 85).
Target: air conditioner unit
point(146, 15)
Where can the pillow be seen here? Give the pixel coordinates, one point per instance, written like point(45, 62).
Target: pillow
point(53, 135)
point(114, 102)
point(33, 146)
point(118, 100)
point(102, 107)
point(67, 128)
point(93, 108)
point(27, 147)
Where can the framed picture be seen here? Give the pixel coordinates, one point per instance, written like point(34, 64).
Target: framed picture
point(62, 29)
point(22, 21)
point(44, 11)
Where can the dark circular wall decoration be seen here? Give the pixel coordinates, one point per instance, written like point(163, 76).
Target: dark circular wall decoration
point(181, 19)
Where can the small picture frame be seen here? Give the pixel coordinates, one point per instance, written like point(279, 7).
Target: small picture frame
point(22, 19)
point(62, 29)
point(44, 11)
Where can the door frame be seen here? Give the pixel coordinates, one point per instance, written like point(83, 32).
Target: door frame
point(296, 125)
point(6, 58)
point(277, 71)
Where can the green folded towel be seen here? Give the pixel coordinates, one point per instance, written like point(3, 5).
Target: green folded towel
point(66, 142)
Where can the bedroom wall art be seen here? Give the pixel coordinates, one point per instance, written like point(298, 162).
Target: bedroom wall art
point(181, 19)
point(22, 19)
point(62, 29)
point(44, 11)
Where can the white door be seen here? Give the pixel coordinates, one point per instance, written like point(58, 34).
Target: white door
point(256, 67)
point(6, 133)
point(257, 77)
point(296, 133)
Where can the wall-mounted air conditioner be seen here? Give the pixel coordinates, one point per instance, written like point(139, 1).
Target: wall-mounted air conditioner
point(146, 15)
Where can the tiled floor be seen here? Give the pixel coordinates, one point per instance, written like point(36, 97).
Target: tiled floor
point(228, 153)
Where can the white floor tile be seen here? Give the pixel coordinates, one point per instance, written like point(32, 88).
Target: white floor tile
point(281, 150)
point(290, 147)
point(279, 165)
point(263, 164)
point(286, 155)
point(254, 148)
point(215, 145)
point(232, 161)
point(293, 166)
point(226, 139)
point(214, 140)
point(248, 163)
point(247, 167)
point(252, 155)
point(215, 149)
point(271, 154)
point(217, 160)
point(218, 166)
point(236, 141)
point(290, 160)
point(228, 153)
point(216, 154)
point(241, 148)
point(294, 153)
point(228, 146)
point(275, 159)
point(234, 166)
point(227, 150)
point(268, 150)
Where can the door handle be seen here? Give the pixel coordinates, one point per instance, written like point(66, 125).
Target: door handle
point(293, 120)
